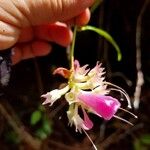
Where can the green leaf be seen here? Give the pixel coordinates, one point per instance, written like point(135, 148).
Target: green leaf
point(35, 117)
point(145, 139)
point(47, 127)
point(45, 130)
point(137, 145)
point(107, 36)
point(40, 133)
point(12, 137)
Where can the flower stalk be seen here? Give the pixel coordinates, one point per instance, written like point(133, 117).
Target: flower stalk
point(72, 48)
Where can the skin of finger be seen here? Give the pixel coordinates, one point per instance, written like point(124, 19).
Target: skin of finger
point(26, 35)
point(19, 13)
point(30, 50)
point(58, 33)
point(44, 31)
point(83, 18)
point(41, 48)
point(49, 11)
point(8, 35)
point(11, 14)
point(22, 13)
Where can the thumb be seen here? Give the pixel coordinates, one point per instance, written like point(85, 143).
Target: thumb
point(47, 11)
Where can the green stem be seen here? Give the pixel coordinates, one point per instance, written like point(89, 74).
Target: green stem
point(72, 47)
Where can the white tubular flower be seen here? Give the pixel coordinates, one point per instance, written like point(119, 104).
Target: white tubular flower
point(54, 95)
point(75, 119)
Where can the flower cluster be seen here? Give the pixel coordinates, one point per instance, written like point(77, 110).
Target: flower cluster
point(86, 90)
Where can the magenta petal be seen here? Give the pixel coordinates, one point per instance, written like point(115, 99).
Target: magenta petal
point(104, 106)
point(88, 124)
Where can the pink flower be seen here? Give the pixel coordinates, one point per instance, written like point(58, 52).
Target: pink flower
point(103, 106)
point(87, 90)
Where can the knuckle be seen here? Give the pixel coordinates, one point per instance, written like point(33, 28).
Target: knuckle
point(11, 12)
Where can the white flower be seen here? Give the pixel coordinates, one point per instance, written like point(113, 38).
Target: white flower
point(54, 95)
point(76, 120)
point(79, 123)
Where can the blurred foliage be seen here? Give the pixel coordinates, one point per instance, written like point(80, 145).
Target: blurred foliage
point(142, 143)
point(45, 128)
point(35, 117)
point(12, 137)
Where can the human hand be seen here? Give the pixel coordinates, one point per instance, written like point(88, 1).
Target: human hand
point(29, 25)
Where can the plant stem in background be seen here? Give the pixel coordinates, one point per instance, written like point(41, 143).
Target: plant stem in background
point(140, 76)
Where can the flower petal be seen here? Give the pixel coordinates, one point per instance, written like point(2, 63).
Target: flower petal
point(88, 124)
point(53, 95)
point(76, 120)
point(63, 72)
point(79, 123)
point(80, 72)
point(97, 70)
point(103, 106)
point(76, 64)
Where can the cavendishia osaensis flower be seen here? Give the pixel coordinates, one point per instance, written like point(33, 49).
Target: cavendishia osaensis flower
point(86, 90)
